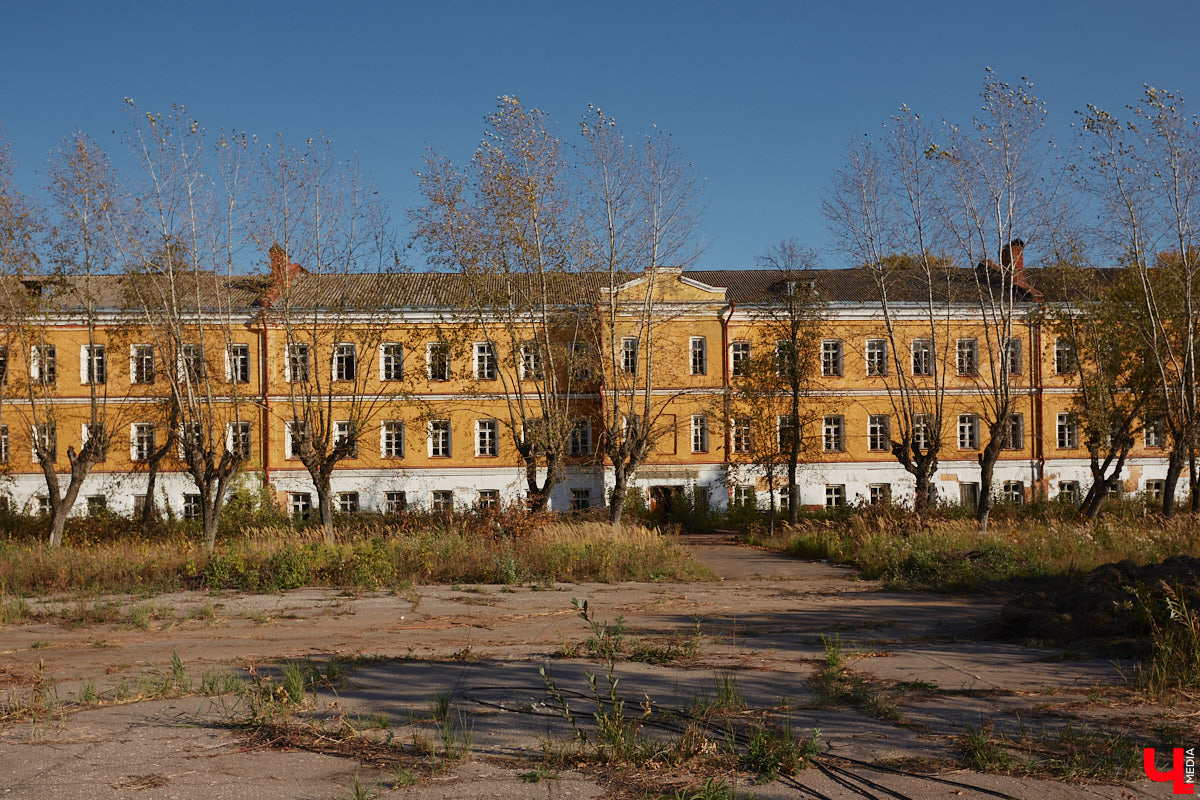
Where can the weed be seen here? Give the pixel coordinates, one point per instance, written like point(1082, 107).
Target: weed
point(771, 753)
point(403, 776)
point(729, 694)
point(834, 683)
point(39, 644)
point(1174, 660)
point(539, 773)
point(711, 789)
point(360, 791)
point(440, 710)
point(13, 610)
point(456, 735)
point(88, 695)
point(293, 676)
point(982, 752)
point(179, 672)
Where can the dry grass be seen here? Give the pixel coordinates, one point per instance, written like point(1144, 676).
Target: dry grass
point(372, 554)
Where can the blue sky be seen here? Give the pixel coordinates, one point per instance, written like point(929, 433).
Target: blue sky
point(762, 97)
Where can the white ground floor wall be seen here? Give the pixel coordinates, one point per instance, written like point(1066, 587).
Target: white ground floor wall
point(853, 483)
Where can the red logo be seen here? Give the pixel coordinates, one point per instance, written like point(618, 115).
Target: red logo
point(1182, 776)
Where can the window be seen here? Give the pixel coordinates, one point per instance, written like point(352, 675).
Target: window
point(741, 441)
point(237, 363)
point(391, 362)
point(191, 359)
point(45, 442)
point(833, 433)
point(835, 495)
point(922, 439)
point(141, 442)
point(699, 433)
point(580, 443)
point(443, 500)
point(739, 358)
point(43, 363)
point(345, 362)
point(301, 503)
point(3, 444)
point(345, 438)
point(1152, 433)
point(139, 504)
point(1016, 364)
point(879, 433)
point(968, 432)
point(93, 365)
point(297, 435)
point(298, 363)
point(1068, 432)
point(347, 502)
point(1068, 491)
point(703, 497)
point(95, 431)
point(43, 505)
point(141, 363)
point(3, 363)
point(531, 362)
point(581, 499)
point(699, 353)
point(191, 434)
point(968, 494)
point(1014, 492)
point(97, 504)
point(391, 439)
point(831, 358)
point(581, 361)
point(629, 355)
point(488, 498)
point(437, 361)
point(237, 439)
point(395, 502)
point(922, 357)
point(967, 357)
point(880, 494)
point(1155, 489)
point(877, 357)
point(1064, 356)
point(486, 437)
point(439, 438)
point(786, 433)
point(192, 507)
point(1014, 436)
point(744, 496)
point(785, 359)
point(485, 361)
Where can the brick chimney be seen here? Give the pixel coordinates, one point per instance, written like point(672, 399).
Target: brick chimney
point(282, 273)
point(1013, 254)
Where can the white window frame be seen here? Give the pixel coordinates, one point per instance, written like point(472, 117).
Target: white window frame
point(237, 356)
point(739, 358)
point(141, 355)
point(879, 493)
point(968, 431)
point(835, 495)
point(137, 441)
point(391, 361)
point(531, 362)
point(783, 423)
point(294, 432)
point(344, 362)
point(1067, 431)
point(1016, 363)
point(91, 355)
point(580, 441)
point(442, 500)
point(1064, 356)
point(191, 355)
point(741, 435)
point(348, 502)
point(1014, 437)
point(39, 356)
point(833, 360)
point(581, 499)
point(440, 434)
point(922, 358)
point(487, 438)
point(630, 355)
point(300, 505)
point(966, 357)
point(698, 355)
point(875, 355)
point(833, 433)
point(744, 496)
point(922, 432)
point(699, 433)
point(297, 354)
point(442, 352)
point(1013, 492)
point(238, 432)
point(38, 433)
point(193, 506)
point(4, 454)
point(580, 360)
point(486, 368)
point(879, 433)
point(395, 501)
point(391, 438)
point(344, 429)
point(1152, 434)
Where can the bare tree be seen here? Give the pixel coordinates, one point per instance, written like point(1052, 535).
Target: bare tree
point(792, 325)
point(1144, 172)
point(999, 181)
point(641, 215)
point(507, 223)
point(186, 230)
point(68, 287)
point(329, 245)
point(882, 217)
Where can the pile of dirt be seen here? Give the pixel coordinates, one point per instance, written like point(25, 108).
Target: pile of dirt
point(1114, 603)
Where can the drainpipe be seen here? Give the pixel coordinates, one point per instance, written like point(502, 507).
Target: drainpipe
point(1038, 466)
point(725, 318)
point(264, 381)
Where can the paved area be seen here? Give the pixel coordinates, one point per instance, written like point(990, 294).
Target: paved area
point(482, 650)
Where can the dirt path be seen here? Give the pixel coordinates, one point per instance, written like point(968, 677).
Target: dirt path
point(482, 646)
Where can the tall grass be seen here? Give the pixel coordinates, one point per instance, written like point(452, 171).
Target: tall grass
point(368, 554)
point(946, 552)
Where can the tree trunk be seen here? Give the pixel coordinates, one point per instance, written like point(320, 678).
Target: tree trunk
point(149, 509)
point(325, 506)
point(1193, 481)
point(1175, 464)
point(58, 521)
point(793, 492)
point(987, 472)
point(921, 501)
